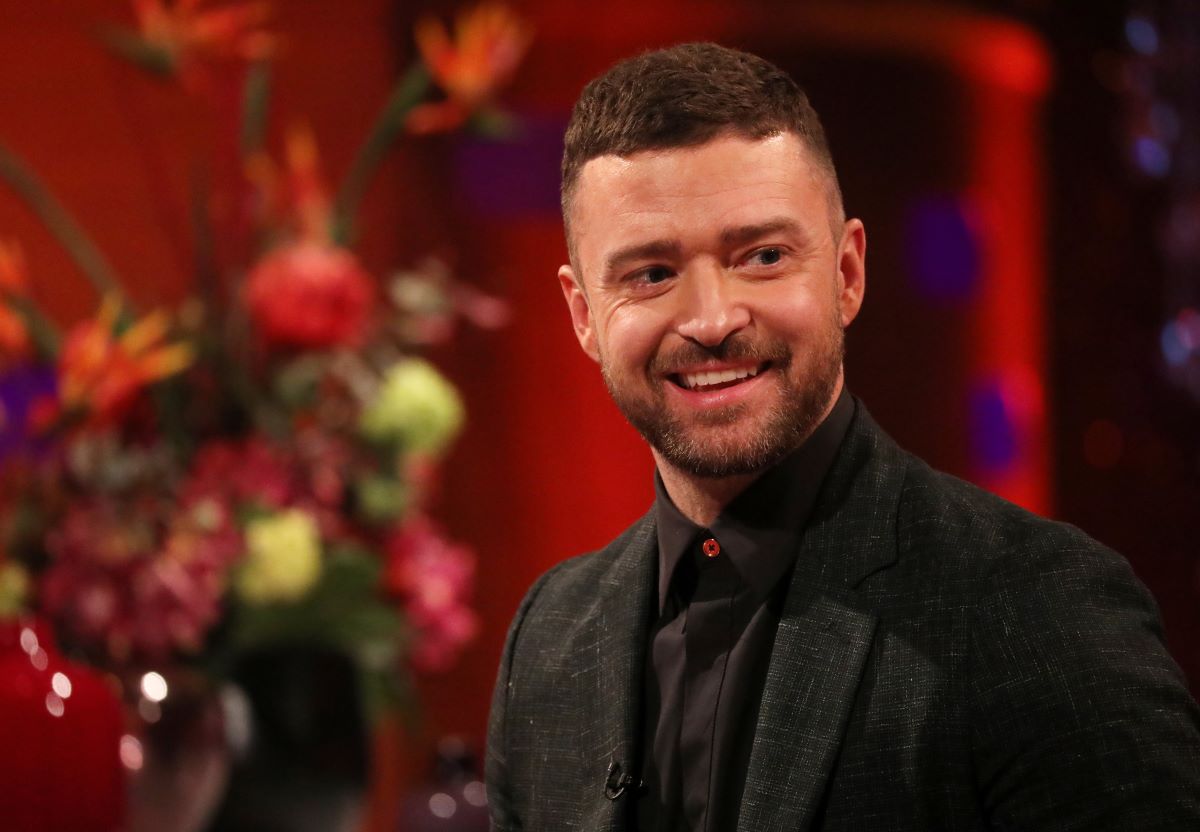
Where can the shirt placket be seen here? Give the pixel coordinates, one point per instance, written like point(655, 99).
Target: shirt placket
point(708, 639)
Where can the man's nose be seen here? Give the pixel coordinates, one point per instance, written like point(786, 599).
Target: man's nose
point(711, 307)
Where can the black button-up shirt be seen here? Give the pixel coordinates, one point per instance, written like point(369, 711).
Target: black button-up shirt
point(721, 591)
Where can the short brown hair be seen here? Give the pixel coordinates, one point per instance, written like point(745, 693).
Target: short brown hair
point(684, 96)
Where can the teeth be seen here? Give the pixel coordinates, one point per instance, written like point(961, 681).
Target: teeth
point(694, 380)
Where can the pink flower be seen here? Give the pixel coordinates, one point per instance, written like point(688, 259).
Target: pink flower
point(310, 295)
point(136, 582)
point(239, 473)
point(433, 577)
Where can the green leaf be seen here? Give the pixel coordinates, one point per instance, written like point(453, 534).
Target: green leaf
point(494, 123)
point(343, 611)
point(139, 52)
point(297, 381)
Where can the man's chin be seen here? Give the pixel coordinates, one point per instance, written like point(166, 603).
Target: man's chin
point(718, 452)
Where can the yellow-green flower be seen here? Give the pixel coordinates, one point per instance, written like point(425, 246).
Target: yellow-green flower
point(283, 558)
point(14, 589)
point(416, 406)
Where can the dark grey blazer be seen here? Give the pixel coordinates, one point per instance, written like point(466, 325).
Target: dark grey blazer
point(944, 661)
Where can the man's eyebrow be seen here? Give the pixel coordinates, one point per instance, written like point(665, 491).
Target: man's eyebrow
point(743, 234)
point(641, 251)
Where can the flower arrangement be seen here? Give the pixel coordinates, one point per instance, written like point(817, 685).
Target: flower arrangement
point(253, 467)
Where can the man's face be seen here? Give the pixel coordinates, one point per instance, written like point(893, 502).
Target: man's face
point(713, 292)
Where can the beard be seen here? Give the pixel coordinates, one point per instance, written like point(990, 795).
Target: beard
point(754, 440)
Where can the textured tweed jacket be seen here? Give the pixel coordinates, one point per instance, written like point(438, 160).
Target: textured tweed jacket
point(944, 661)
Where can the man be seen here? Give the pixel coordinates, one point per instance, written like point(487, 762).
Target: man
point(810, 629)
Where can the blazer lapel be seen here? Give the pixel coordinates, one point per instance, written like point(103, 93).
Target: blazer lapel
point(824, 636)
point(609, 649)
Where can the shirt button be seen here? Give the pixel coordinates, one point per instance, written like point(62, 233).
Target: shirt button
point(711, 547)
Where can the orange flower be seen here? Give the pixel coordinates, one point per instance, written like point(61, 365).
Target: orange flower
point(14, 277)
point(100, 374)
point(187, 36)
point(488, 44)
point(295, 197)
point(14, 337)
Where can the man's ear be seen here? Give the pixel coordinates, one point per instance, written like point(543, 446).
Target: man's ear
point(852, 270)
point(581, 312)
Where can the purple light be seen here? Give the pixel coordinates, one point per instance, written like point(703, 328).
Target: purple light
point(1152, 156)
point(942, 248)
point(20, 387)
point(1142, 35)
point(512, 177)
point(995, 446)
point(1174, 350)
point(1180, 338)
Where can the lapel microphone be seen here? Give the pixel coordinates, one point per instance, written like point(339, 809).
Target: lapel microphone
point(615, 783)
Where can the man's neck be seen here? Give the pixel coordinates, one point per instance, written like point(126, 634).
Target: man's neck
point(701, 499)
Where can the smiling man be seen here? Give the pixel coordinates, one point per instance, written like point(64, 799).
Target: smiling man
point(810, 629)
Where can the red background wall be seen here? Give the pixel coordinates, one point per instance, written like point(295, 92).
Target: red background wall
point(546, 467)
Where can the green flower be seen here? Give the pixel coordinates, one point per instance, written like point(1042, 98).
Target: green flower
point(415, 407)
point(14, 588)
point(283, 558)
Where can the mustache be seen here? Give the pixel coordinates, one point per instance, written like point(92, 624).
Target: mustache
point(734, 348)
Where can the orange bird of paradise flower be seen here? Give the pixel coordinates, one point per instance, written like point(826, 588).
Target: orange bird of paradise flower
point(14, 337)
point(294, 196)
point(187, 36)
point(99, 373)
point(488, 43)
point(14, 276)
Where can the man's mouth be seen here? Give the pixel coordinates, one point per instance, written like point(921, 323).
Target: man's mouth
point(715, 379)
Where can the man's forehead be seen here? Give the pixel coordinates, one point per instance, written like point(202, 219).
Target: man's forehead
point(732, 144)
point(722, 174)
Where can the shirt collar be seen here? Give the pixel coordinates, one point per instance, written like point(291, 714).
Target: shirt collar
point(760, 529)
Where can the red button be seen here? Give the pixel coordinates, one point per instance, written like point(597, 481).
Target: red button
point(711, 547)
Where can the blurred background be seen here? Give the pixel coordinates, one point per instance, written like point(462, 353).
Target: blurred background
point(1028, 172)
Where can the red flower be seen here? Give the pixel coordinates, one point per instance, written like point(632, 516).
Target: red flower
point(488, 43)
point(310, 295)
point(234, 474)
point(433, 577)
point(15, 342)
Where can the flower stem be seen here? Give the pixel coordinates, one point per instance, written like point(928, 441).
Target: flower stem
point(256, 95)
point(42, 332)
point(407, 93)
point(61, 224)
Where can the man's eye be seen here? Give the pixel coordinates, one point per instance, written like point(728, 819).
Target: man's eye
point(766, 256)
point(654, 274)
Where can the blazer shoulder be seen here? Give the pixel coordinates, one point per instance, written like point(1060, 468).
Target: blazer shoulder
point(943, 513)
point(574, 581)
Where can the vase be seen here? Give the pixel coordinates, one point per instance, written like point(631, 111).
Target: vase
point(305, 767)
point(60, 728)
point(175, 749)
